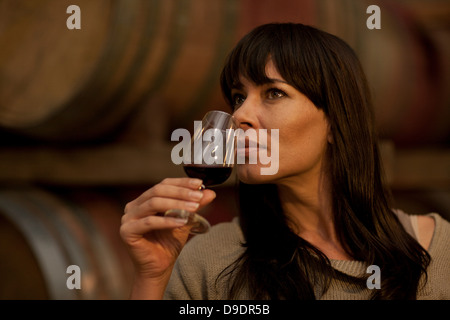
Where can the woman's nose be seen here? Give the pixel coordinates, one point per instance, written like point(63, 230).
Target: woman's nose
point(245, 115)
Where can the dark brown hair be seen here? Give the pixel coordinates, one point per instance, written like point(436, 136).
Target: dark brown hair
point(278, 264)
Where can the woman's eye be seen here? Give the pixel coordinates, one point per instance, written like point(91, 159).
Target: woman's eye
point(275, 94)
point(238, 99)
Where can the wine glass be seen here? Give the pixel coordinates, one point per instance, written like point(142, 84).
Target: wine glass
point(211, 159)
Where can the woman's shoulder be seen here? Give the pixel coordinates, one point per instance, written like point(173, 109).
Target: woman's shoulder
point(432, 231)
point(426, 226)
point(438, 231)
point(437, 286)
point(426, 229)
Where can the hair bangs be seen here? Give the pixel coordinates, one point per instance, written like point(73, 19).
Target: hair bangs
point(248, 60)
point(271, 42)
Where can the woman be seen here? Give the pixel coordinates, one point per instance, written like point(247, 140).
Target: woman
point(311, 230)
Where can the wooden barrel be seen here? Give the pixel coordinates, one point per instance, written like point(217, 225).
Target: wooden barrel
point(42, 234)
point(74, 85)
point(407, 71)
point(60, 84)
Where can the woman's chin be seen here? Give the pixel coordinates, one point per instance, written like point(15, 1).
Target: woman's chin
point(251, 174)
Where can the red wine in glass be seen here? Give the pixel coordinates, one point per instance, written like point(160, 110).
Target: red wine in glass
point(215, 166)
point(210, 174)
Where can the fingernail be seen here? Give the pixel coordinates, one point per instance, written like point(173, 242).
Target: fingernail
point(180, 221)
point(196, 195)
point(192, 205)
point(195, 182)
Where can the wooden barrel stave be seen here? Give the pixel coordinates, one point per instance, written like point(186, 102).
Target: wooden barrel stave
point(61, 233)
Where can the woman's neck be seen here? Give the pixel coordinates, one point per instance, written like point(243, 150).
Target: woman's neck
point(308, 206)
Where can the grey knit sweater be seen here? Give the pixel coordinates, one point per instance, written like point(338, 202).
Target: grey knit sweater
point(205, 256)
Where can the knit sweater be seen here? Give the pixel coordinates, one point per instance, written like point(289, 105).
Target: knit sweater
point(206, 256)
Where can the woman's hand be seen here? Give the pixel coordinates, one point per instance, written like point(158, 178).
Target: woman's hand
point(154, 241)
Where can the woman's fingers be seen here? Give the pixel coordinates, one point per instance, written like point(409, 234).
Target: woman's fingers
point(191, 183)
point(161, 205)
point(138, 227)
point(171, 193)
point(184, 188)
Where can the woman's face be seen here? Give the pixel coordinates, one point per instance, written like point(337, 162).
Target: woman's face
point(303, 129)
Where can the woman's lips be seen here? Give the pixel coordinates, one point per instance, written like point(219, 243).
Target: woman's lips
point(249, 148)
point(246, 151)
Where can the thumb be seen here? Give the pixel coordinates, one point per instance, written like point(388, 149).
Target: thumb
point(208, 197)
